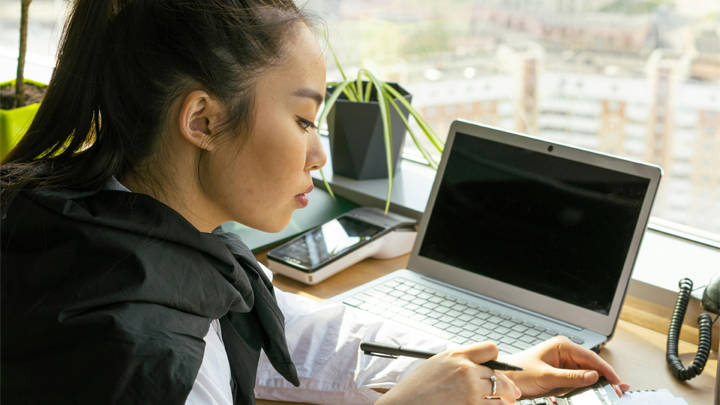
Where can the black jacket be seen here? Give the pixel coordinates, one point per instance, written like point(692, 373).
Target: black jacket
point(107, 295)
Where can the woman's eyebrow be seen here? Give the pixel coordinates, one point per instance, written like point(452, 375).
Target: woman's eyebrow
point(304, 92)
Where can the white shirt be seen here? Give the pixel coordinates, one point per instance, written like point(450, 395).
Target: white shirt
point(324, 343)
point(212, 384)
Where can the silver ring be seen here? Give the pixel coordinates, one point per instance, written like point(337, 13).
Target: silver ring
point(493, 380)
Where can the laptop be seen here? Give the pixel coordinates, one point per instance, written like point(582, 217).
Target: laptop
point(522, 239)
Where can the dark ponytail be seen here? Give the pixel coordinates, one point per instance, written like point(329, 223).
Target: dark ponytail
point(122, 63)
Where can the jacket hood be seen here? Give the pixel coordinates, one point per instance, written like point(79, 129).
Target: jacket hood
point(108, 248)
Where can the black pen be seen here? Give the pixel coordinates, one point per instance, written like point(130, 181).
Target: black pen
point(383, 350)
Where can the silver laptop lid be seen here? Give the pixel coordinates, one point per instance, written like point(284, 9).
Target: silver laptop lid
point(541, 225)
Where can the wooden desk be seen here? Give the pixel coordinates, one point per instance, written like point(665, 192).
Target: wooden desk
point(636, 353)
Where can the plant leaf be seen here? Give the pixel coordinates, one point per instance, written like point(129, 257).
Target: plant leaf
point(348, 92)
point(359, 88)
point(327, 185)
point(332, 51)
point(439, 144)
point(352, 90)
point(387, 131)
point(420, 147)
point(367, 92)
point(329, 102)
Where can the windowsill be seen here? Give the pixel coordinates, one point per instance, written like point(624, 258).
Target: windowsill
point(662, 261)
point(37, 67)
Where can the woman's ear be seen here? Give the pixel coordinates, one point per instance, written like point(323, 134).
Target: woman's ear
point(199, 114)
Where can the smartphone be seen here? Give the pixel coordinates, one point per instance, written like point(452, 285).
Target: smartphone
point(335, 245)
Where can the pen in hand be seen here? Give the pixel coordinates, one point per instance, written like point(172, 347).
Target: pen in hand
point(384, 350)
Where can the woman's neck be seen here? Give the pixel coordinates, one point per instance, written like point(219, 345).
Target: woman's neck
point(184, 197)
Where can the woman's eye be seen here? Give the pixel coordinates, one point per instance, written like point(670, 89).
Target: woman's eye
point(305, 124)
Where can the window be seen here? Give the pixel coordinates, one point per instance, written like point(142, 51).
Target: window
point(45, 23)
point(560, 64)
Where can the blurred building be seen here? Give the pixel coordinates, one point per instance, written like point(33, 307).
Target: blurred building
point(664, 117)
point(587, 31)
point(706, 65)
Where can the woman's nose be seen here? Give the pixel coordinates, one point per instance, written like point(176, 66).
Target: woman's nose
point(316, 157)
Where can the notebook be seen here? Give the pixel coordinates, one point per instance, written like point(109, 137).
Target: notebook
point(653, 397)
point(522, 239)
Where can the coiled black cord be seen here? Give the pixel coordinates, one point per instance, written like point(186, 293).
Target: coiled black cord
point(705, 331)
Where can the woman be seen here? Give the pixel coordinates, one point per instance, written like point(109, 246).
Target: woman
point(163, 120)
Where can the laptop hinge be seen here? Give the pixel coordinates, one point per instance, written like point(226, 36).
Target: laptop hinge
point(505, 304)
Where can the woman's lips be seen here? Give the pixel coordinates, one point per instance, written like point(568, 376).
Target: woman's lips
point(302, 199)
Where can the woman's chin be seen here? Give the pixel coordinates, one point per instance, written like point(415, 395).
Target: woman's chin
point(276, 226)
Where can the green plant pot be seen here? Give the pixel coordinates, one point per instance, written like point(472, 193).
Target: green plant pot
point(14, 123)
point(355, 130)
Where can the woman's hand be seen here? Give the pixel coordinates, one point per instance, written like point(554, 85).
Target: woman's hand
point(555, 366)
point(454, 377)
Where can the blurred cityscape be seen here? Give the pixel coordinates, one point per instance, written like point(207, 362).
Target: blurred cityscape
point(638, 79)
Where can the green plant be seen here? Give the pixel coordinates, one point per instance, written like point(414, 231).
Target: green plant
point(353, 90)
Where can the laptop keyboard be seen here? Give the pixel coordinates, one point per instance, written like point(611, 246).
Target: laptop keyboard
point(450, 317)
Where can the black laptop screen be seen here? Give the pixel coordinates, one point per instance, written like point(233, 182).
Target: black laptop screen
point(534, 220)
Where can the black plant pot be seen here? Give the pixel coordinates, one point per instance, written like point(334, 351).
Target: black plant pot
point(356, 136)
